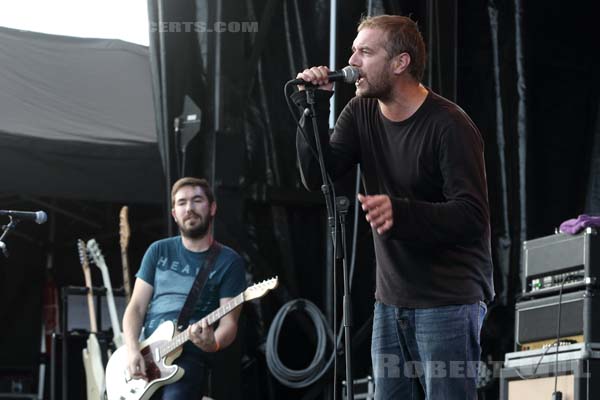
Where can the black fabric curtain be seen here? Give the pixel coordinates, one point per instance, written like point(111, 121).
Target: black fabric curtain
point(525, 74)
point(505, 19)
point(178, 71)
point(592, 205)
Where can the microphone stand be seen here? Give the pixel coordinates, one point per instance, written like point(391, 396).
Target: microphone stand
point(342, 205)
point(11, 225)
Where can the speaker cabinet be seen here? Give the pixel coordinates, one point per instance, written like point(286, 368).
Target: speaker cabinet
point(577, 380)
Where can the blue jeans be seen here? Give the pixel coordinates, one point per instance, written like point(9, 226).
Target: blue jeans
point(429, 353)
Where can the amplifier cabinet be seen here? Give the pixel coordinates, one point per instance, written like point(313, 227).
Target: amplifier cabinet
point(577, 380)
point(536, 319)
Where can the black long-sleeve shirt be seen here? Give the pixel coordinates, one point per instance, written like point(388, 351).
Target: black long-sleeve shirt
point(431, 165)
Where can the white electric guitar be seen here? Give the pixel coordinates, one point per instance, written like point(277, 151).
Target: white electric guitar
point(92, 354)
point(162, 348)
point(98, 259)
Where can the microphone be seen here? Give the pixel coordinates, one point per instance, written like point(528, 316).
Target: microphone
point(347, 74)
point(39, 217)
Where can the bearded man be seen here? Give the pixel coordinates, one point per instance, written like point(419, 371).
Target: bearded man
point(164, 280)
point(425, 197)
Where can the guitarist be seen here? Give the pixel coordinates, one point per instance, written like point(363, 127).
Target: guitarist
point(164, 280)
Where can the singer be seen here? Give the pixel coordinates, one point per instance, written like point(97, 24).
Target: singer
point(426, 201)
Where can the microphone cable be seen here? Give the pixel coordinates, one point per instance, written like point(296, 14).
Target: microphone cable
point(300, 127)
point(557, 395)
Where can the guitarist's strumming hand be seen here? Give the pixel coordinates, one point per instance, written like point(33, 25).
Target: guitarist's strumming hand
point(136, 364)
point(203, 336)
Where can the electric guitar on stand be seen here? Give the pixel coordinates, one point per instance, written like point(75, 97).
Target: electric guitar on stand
point(98, 259)
point(162, 348)
point(92, 354)
point(124, 235)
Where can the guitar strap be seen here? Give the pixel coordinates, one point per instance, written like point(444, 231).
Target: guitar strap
point(199, 283)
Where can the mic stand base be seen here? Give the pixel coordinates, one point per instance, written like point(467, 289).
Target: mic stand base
point(342, 205)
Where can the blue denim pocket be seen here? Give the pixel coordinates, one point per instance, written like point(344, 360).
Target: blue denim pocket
point(482, 313)
point(441, 323)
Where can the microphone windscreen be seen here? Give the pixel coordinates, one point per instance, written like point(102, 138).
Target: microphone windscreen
point(351, 74)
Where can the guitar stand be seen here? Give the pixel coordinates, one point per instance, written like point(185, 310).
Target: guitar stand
point(67, 291)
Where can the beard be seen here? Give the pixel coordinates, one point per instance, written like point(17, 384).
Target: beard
point(378, 86)
point(198, 231)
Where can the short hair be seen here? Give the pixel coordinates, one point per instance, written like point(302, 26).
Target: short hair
point(190, 181)
point(402, 36)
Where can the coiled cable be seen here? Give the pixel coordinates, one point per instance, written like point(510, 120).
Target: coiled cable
point(294, 378)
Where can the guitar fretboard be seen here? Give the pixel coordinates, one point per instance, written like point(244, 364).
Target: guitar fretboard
point(126, 282)
point(211, 318)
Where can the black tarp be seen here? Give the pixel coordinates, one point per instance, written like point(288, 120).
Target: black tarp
point(77, 119)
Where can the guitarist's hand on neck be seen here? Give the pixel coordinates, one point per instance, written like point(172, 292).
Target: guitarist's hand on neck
point(203, 336)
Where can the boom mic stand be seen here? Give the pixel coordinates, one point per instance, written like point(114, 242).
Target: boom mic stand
point(341, 209)
point(11, 225)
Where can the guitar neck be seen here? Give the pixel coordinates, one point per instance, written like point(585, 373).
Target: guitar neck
point(94, 250)
point(126, 281)
point(90, 301)
point(124, 234)
point(112, 309)
point(87, 275)
point(210, 319)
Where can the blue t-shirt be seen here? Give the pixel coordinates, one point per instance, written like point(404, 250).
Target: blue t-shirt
point(171, 269)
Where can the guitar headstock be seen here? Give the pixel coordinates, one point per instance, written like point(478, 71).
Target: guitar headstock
point(124, 230)
point(83, 258)
point(96, 254)
point(260, 289)
point(85, 265)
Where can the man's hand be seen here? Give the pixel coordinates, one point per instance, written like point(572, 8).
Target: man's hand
point(136, 364)
point(379, 213)
point(203, 336)
point(318, 76)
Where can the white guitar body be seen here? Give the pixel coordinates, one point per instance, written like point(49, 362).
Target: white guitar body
point(161, 349)
point(94, 370)
point(160, 372)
